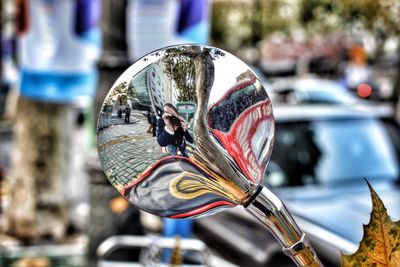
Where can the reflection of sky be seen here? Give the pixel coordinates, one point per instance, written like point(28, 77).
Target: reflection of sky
point(227, 69)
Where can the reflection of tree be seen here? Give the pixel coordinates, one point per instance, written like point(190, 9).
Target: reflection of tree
point(120, 91)
point(180, 67)
point(122, 99)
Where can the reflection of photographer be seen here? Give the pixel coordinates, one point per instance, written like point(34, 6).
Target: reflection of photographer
point(172, 131)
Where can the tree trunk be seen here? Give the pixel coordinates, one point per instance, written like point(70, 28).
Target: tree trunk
point(39, 168)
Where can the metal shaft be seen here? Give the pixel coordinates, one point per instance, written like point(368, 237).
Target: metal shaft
point(270, 210)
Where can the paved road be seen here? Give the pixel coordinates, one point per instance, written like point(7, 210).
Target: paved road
point(126, 150)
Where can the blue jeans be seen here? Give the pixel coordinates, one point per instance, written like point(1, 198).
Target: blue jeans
point(173, 149)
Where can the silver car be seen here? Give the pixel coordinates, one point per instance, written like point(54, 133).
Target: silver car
point(312, 90)
point(320, 159)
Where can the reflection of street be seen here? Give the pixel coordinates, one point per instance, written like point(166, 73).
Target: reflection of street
point(126, 150)
point(116, 120)
point(107, 118)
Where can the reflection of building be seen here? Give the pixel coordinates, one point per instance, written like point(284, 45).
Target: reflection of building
point(161, 89)
point(156, 84)
point(138, 85)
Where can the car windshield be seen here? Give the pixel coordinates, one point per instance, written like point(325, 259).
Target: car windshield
point(330, 151)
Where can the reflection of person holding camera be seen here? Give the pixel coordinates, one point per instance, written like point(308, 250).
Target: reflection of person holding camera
point(172, 131)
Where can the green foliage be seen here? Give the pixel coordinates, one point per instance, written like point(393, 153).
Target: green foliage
point(180, 68)
point(120, 88)
point(323, 15)
point(119, 92)
point(273, 16)
point(230, 26)
point(238, 24)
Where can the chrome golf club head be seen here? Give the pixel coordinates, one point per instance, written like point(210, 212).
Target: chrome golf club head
point(213, 158)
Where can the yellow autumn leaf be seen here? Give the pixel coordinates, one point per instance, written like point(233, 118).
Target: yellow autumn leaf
point(380, 245)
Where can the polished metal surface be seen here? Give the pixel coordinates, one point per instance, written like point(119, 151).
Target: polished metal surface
point(226, 111)
point(211, 156)
point(270, 210)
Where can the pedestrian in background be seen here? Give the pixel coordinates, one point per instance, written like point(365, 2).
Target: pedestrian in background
point(127, 113)
point(153, 123)
point(119, 111)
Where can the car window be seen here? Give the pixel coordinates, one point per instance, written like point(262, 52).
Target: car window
point(330, 151)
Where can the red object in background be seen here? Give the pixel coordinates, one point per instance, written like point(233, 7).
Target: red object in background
point(364, 90)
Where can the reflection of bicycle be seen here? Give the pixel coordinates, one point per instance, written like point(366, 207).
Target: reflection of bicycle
point(185, 252)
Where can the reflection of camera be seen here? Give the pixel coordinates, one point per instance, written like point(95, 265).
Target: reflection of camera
point(175, 121)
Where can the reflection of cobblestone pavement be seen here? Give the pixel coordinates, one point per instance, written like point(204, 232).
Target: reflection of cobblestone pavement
point(133, 118)
point(125, 150)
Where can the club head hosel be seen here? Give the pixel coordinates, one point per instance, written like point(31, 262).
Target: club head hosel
point(270, 210)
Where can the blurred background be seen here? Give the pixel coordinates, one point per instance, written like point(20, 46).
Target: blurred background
point(331, 68)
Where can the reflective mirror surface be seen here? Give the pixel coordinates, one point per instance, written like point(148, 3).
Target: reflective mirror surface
point(186, 131)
